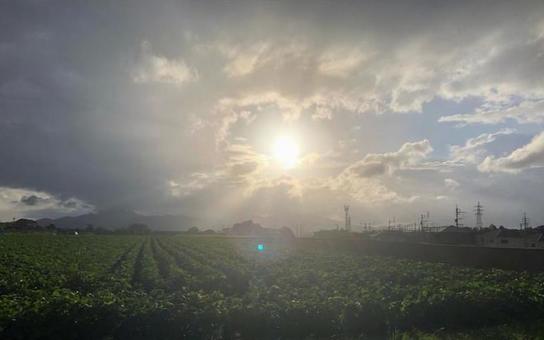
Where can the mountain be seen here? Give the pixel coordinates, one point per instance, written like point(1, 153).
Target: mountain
point(116, 219)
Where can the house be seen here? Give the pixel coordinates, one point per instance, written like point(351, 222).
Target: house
point(511, 238)
point(534, 240)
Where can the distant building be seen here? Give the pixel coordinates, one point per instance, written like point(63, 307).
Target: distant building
point(534, 240)
point(489, 237)
point(511, 238)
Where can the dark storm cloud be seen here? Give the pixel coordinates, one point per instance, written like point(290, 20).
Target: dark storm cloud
point(63, 128)
point(30, 200)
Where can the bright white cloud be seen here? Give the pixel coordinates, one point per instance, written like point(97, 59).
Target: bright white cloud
point(528, 111)
point(29, 202)
point(474, 149)
point(410, 154)
point(528, 156)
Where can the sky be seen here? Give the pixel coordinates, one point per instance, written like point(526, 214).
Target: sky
point(277, 111)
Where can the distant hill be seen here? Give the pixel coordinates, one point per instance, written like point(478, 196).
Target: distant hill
point(116, 219)
point(22, 224)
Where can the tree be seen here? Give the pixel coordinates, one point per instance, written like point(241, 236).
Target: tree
point(138, 228)
point(193, 230)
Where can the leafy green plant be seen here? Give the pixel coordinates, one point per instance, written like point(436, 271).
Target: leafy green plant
point(175, 287)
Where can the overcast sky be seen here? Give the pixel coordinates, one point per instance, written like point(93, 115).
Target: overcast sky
point(175, 107)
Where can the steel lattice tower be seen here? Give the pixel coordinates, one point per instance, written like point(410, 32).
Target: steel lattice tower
point(524, 221)
point(347, 222)
point(479, 211)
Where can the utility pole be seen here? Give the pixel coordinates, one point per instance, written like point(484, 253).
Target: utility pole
point(458, 216)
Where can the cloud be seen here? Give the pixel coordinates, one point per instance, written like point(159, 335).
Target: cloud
point(243, 168)
point(243, 165)
point(528, 156)
point(368, 191)
point(362, 178)
point(31, 200)
point(30, 203)
point(285, 187)
point(316, 70)
point(398, 75)
point(19, 88)
point(245, 59)
point(310, 159)
point(158, 69)
point(319, 106)
point(473, 151)
point(245, 106)
point(244, 62)
point(451, 184)
point(389, 72)
point(408, 155)
point(378, 80)
point(196, 181)
point(340, 62)
point(528, 111)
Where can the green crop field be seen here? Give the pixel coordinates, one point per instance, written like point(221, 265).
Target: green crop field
point(176, 287)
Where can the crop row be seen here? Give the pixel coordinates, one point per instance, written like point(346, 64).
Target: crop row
point(171, 287)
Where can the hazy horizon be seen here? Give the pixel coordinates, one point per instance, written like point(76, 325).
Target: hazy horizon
point(279, 112)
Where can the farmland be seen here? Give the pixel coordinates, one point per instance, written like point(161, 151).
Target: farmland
point(172, 287)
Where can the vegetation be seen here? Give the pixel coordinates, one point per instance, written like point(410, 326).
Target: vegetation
point(172, 287)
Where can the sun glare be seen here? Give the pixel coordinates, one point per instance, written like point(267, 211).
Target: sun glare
point(286, 152)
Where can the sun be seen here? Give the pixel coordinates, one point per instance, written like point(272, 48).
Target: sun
point(286, 152)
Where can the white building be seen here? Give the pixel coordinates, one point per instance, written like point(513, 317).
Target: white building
point(510, 238)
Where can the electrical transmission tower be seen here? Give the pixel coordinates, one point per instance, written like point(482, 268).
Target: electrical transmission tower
point(524, 222)
point(458, 216)
point(347, 223)
point(479, 211)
